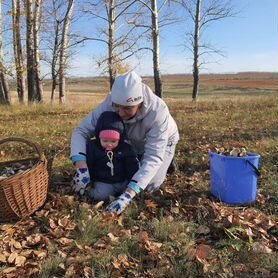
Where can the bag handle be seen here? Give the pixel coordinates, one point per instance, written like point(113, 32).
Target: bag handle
point(254, 167)
point(21, 140)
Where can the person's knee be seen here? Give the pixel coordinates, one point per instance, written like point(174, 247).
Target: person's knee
point(99, 194)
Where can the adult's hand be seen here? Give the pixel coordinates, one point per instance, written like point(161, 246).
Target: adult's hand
point(120, 204)
point(81, 180)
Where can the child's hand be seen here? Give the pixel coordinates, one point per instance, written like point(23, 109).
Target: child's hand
point(81, 180)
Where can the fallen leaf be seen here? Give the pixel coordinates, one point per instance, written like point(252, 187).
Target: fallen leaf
point(71, 260)
point(121, 261)
point(62, 266)
point(9, 230)
point(261, 230)
point(230, 218)
point(101, 244)
point(71, 271)
point(203, 230)
point(57, 232)
point(33, 240)
point(98, 205)
point(143, 216)
point(63, 222)
point(143, 237)
point(153, 247)
point(150, 204)
point(12, 257)
point(169, 190)
point(40, 254)
point(62, 254)
point(108, 217)
point(175, 210)
point(259, 247)
point(202, 251)
point(241, 268)
point(9, 270)
point(26, 253)
point(15, 244)
point(42, 213)
point(204, 263)
point(20, 260)
point(2, 258)
point(112, 237)
point(65, 241)
point(32, 271)
point(264, 272)
point(120, 220)
point(88, 272)
point(52, 223)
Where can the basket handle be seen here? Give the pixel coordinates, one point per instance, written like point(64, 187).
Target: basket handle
point(254, 167)
point(17, 139)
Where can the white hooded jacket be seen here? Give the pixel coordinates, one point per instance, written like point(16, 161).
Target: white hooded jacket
point(149, 132)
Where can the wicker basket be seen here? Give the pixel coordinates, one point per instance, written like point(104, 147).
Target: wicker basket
point(23, 193)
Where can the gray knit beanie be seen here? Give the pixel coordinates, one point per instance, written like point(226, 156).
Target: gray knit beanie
point(127, 89)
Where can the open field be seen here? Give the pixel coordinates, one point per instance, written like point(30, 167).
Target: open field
point(178, 86)
point(180, 231)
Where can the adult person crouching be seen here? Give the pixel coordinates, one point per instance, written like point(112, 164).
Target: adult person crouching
point(150, 128)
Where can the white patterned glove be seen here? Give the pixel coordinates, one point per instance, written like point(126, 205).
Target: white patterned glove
point(81, 180)
point(120, 204)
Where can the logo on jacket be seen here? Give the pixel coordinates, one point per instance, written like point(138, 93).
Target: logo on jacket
point(133, 99)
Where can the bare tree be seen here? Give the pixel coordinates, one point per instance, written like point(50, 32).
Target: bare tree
point(4, 90)
point(116, 32)
point(54, 60)
point(18, 55)
point(110, 5)
point(54, 13)
point(63, 52)
point(155, 7)
point(37, 17)
point(156, 49)
point(196, 51)
point(34, 95)
point(203, 13)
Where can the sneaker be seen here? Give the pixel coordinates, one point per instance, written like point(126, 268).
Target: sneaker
point(173, 168)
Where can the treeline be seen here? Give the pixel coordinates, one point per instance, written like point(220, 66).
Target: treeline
point(46, 32)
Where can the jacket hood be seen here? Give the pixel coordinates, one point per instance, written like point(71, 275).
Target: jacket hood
point(109, 120)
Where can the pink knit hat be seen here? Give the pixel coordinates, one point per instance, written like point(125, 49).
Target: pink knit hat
point(109, 134)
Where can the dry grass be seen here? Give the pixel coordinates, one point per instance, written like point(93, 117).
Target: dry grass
point(178, 232)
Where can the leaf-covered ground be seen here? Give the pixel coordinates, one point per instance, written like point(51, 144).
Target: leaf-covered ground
point(179, 231)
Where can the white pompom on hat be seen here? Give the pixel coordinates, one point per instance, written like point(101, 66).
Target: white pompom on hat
point(127, 89)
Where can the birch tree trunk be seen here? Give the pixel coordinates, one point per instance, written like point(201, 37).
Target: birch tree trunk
point(196, 52)
point(31, 64)
point(111, 40)
point(18, 57)
point(117, 32)
point(202, 15)
point(63, 53)
point(156, 50)
point(54, 60)
point(4, 90)
point(37, 16)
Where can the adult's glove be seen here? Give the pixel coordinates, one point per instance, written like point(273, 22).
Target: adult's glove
point(81, 180)
point(120, 204)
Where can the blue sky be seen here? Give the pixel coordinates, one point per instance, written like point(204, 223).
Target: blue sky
point(249, 40)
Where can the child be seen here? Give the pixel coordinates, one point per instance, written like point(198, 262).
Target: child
point(111, 162)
